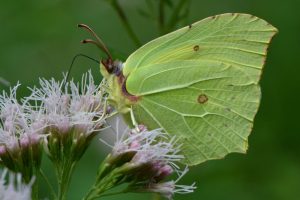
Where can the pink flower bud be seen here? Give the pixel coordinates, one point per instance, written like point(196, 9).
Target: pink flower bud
point(63, 125)
point(25, 142)
point(2, 150)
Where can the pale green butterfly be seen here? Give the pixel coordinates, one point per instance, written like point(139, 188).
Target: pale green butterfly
point(199, 83)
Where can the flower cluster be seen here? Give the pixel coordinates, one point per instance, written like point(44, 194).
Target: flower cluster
point(145, 160)
point(14, 188)
point(154, 160)
point(74, 113)
point(21, 130)
point(63, 116)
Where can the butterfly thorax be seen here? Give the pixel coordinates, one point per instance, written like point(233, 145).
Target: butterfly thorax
point(118, 94)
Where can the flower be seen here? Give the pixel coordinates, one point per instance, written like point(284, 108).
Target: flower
point(166, 189)
point(74, 113)
point(153, 146)
point(146, 160)
point(69, 107)
point(21, 131)
point(20, 125)
point(14, 188)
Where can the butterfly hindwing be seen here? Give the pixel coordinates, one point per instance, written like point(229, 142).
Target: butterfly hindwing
point(212, 117)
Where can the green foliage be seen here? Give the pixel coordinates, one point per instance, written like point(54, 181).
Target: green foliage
point(155, 12)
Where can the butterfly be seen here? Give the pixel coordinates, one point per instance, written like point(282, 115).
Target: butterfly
point(199, 83)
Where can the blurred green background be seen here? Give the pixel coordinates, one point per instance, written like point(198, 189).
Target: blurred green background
point(39, 38)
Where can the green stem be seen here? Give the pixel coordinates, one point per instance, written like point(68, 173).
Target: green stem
point(64, 181)
point(48, 183)
point(115, 4)
point(113, 193)
point(175, 15)
point(35, 191)
point(161, 17)
point(105, 183)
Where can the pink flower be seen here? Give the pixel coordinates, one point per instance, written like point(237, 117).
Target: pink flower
point(68, 107)
point(20, 126)
point(149, 158)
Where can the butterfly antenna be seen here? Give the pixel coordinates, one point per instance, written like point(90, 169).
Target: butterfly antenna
point(73, 61)
point(99, 43)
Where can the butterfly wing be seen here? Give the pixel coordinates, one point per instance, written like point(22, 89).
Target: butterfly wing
point(200, 83)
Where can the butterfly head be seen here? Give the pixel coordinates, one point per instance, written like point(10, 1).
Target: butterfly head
point(118, 94)
point(108, 66)
point(112, 67)
point(112, 71)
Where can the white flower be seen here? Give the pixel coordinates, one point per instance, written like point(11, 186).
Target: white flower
point(150, 159)
point(13, 188)
point(169, 188)
point(20, 126)
point(70, 107)
point(149, 146)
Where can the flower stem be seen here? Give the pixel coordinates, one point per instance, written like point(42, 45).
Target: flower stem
point(35, 191)
point(113, 193)
point(48, 183)
point(161, 17)
point(115, 4)
point(174, 18)
point(64, 180)
point(105, 180)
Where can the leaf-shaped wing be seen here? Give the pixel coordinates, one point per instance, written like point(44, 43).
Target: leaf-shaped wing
point(201, 83)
